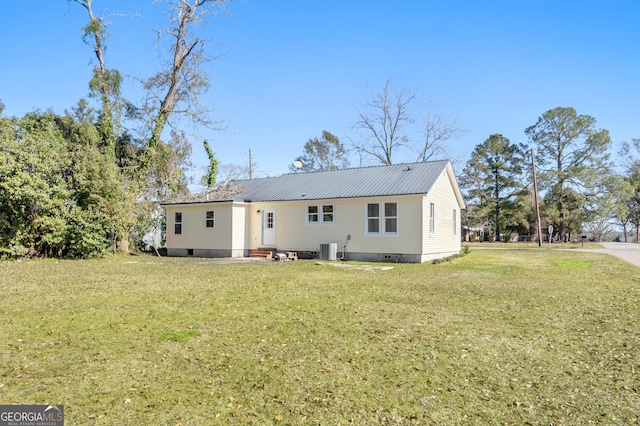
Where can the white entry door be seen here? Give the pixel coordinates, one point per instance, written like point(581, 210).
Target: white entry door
point(268, 227)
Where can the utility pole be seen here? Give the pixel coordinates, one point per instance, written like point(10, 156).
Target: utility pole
point(535, 196)
point(250, 165)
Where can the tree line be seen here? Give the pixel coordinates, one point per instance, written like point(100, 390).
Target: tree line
point(581, 191)
point(85, 182)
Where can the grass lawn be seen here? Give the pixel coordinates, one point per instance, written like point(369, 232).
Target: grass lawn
point(534, 244)
point(494, 337)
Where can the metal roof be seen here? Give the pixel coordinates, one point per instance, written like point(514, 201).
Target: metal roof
point(398, 179)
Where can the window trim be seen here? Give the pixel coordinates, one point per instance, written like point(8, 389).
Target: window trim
point(211, 219)
point(382, 219)
point(315, 214)
point(177, 224)
point(432, 220)
point(368, 218)
point(319, 214)
point(384, 209)
point(323, 213)
point(455, 223)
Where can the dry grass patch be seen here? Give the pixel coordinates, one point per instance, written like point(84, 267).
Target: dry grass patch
point(498, 336)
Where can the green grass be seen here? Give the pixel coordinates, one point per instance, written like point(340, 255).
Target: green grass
point(534, 245)
point(495, 337)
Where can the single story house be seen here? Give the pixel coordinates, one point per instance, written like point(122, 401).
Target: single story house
point(397, 213)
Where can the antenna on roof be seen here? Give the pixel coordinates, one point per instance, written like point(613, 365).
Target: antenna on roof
point(298, 164)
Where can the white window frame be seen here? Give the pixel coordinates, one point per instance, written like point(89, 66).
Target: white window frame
point(455, 223)
point(390, 217)
point(311, 215)
point(381, 219)
point(368, 218)
point(320, 214)
point(177, 223)
point(432, 220)
point(324, 214)
point(210, 220)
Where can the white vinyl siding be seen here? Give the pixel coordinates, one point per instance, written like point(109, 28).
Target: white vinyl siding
point(349, 218)
point(441, 234)
point(192, 222)
point(239, 229)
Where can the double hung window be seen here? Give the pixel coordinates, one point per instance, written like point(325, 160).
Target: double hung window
point(210, 219)
point(382, 219)
point(177, 223)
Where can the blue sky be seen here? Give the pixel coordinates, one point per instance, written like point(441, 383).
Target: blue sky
point(287, 70)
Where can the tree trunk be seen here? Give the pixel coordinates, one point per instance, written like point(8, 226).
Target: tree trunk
point(497, 221)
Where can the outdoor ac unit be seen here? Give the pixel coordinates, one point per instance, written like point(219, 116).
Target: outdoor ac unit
point(328, 251)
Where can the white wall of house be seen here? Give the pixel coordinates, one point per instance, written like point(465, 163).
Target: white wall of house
point(239, 233)
point(196, 238)
point(295, 232)
point(444, 239)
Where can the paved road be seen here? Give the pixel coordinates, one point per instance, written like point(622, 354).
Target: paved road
point(625, 251)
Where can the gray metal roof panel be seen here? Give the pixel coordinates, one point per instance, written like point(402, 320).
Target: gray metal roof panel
point(399, 179)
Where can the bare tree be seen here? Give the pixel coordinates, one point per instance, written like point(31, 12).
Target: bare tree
point(385, 119)
point(437, 129)
point(391, 126)
point(220, 192)
point(176, 88)
point(233, 172)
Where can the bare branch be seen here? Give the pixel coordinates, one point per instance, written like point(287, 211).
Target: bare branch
point(436, 130)
point(383, 119)
point(183, 80)
point(220, 192)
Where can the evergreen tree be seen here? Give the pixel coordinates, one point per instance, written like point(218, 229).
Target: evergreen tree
point(493, 178)
point(327, 153)
point(573, 157)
